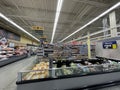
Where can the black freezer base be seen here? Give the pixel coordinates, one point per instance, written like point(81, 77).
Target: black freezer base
point(12, 59)
point(71, 82)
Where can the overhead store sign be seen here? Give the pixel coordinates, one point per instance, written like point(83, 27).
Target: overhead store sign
point(37, 28)
point(110, 45)
point(44, 36)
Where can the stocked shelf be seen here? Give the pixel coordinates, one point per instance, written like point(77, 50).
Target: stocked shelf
point(10, 53)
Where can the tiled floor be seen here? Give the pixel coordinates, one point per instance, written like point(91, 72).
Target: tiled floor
point(8, 74)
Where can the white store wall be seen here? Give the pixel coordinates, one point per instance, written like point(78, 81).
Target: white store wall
point(108, 53)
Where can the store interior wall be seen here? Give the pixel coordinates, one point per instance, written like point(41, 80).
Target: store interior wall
point(16, 38)
point(108, 53)
point(27, 41)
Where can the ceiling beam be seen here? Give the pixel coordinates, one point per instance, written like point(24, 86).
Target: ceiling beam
point(81, 14)
point(19, 11)
point(78, 17)
point(36, 9)
point(39, 19)
point(92, 3)
point(49, 22)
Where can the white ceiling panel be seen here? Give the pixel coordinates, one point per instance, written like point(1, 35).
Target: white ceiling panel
point(74, 14)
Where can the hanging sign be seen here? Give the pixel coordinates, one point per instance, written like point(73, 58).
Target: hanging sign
point(37, 28)
point(44, 36)
point(110, 45)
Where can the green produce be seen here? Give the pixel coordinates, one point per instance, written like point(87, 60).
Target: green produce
point(73, 65)
point(66, 71)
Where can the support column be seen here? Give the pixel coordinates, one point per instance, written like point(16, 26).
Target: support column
point(112, 18)
point(105, 26)
point(89, 47)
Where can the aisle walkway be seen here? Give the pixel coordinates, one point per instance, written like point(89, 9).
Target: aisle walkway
point(111, 88)
point(8, 74)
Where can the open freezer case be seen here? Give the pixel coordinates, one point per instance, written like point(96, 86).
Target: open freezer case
point(80, 74)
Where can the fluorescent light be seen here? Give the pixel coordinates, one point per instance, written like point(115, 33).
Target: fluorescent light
point(13, 23)
point(95, 19)
point(59, 6)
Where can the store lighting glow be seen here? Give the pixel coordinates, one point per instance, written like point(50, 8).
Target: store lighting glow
point(95, 33)
point(13, 23)
point(59, 6)
point(95, 19)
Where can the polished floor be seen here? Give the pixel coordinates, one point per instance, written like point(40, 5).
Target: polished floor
point(111, 88)
point(8, 73)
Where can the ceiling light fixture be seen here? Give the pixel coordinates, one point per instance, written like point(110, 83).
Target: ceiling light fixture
point(59, 6)
point(13, 23)
point(95, 19)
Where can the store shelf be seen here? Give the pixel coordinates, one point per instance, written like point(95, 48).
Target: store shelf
point(48, 50)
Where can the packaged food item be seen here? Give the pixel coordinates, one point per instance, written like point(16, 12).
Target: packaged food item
point(40, 71)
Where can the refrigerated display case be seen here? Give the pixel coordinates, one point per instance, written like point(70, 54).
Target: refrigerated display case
point(80, 74)
point(11, 59)
point(9, 54)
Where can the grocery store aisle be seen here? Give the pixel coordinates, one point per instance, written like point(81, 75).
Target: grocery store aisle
point(117, 87)
point(8, 74)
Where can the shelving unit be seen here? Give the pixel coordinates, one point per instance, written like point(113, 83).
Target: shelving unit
point(6, 53)
point(40, 52)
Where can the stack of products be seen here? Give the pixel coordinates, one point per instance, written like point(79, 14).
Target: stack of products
point(20, 51)
point(8, 49)
point(5, 51)
point(40, 70)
